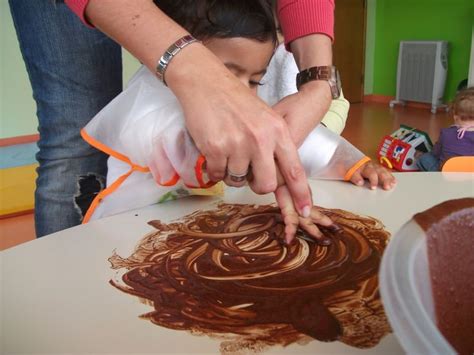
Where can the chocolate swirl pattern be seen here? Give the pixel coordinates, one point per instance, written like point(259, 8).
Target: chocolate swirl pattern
point(225, 273)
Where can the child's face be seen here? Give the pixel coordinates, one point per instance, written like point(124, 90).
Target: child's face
point(246, 58)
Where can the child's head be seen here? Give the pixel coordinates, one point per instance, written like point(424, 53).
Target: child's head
point(241, 33)
point(463, 105)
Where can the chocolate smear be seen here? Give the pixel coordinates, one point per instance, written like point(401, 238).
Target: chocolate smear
point(225, 273)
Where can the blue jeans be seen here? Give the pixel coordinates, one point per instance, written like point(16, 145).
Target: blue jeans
point(428, 162)
point(74, 72)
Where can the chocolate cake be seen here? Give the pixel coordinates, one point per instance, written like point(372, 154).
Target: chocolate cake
point(449, 228)
point(226, 273)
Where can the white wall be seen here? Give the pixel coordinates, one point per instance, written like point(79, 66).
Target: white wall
point(470, 81)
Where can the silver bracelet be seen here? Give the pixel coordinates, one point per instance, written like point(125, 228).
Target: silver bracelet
point(170, 53)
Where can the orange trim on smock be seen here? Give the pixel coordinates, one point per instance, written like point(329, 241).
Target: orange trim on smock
point(356, 166)
point(198, 170)
point(98, 199)
point(117, 183)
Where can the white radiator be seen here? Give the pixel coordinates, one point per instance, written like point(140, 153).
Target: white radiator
point(421, 73)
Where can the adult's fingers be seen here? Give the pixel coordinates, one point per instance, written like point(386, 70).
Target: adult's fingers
point(263, 177)
point(237, 170)
point(216, 167)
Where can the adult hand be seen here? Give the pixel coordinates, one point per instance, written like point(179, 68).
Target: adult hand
point(234, 129)
point(304, 110)
point(230, 126)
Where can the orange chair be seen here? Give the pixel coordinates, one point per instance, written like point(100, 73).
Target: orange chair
point(459, 165)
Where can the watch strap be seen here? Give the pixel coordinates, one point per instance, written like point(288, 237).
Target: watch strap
point(327, 73)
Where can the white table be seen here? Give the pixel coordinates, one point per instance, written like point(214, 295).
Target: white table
point(55, 295)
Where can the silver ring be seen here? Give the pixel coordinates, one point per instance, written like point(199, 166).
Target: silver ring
point(237, 177)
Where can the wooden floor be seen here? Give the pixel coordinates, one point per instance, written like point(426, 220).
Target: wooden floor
point(16, 230)
point(367, 124)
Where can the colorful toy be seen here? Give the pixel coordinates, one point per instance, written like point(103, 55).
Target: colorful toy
point(401, 149)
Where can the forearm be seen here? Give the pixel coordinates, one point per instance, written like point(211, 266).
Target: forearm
point(312, 50)
point(308, 29)
point(146, 32)
point(138, 25)
point(309, 51)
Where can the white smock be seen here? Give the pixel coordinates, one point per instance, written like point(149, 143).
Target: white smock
point(153, 158)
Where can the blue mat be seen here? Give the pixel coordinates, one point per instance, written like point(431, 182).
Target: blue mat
point(18, 155)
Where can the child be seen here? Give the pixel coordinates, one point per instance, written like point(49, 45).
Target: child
point(457, 140)
point(144, 132)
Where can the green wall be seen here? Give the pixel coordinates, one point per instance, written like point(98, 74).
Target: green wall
point(397, 20)
point(17, 108)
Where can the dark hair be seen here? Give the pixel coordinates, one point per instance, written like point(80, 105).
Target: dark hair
point(464, 104)
point(251, 19)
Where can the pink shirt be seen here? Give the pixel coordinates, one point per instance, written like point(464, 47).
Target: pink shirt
point(79, 8)
point(298, 18)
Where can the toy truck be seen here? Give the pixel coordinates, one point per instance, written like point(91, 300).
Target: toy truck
point(401, 149)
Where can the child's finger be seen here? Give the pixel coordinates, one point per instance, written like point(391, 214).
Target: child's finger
point(288, 212)
point(357, 178)
point(291, 221)
point(320, 218)
point(387, 180)
point(373, 180)
point(311, 228)
point(291, 226)
point(370, 173)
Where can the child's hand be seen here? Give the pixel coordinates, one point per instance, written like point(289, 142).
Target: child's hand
point(376, 174)
point(292, 220)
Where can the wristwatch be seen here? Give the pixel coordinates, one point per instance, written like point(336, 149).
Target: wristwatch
point(327, 73)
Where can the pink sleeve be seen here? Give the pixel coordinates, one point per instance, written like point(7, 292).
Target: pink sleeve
point(79, 8)
point(299, 18)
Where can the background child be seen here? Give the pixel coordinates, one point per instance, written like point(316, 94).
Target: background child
point(457, 140)
point(144, 132)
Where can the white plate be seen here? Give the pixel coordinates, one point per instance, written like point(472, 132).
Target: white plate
point(405, 287)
